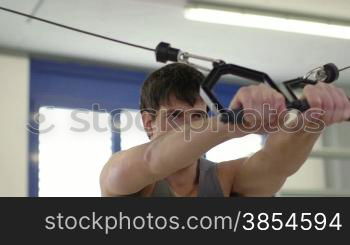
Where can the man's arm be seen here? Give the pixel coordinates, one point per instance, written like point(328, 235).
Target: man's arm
point(130, 171)
point(265, 172)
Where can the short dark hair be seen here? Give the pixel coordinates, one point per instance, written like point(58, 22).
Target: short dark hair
point(177, 79)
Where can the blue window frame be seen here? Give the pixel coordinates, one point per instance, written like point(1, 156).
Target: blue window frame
point(71, 85)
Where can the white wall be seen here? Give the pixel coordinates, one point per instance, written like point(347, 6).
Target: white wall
point(310, 177)
point(14, 107)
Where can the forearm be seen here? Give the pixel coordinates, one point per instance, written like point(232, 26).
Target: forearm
point(288, 151)
point(180, 148)
point(162, 156)
point(264, 173)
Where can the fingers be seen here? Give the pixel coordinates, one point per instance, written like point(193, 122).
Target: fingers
point(244, 99)
point(265, 104)
point(260, 102)
point(332, 101)
point(327, 103)
point(281, 102)
point(312, 96)
point(238, 99)
point(346, 109)
point(339, 104)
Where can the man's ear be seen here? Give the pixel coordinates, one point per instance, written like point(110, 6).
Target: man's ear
point(147, 120)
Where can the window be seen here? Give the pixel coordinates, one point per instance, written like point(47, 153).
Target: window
point(72, 152)
point(132, 132)
point(64, 162)
point(235, 148)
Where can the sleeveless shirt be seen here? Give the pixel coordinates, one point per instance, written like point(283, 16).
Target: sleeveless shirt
point(208, 186)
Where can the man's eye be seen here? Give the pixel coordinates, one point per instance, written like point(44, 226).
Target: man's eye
point(198, 116)
point(175, 114)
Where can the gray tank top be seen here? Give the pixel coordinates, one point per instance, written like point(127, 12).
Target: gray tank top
point(208, 185)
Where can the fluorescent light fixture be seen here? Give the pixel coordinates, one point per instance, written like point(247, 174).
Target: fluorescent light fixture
point(273, 21)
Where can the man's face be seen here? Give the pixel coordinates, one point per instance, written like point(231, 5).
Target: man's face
point(173, 115)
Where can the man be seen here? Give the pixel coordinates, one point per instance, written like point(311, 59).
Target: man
point(172, 163)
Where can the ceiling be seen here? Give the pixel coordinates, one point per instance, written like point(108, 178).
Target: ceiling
point(282, 55)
